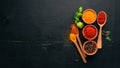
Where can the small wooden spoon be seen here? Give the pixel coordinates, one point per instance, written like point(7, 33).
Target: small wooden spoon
point(73, 39)
point(101, 20)
point(75, 31)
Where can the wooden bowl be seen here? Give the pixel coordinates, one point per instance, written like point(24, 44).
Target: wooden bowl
point(90, 48)
point(90, 32)
point(89, 16)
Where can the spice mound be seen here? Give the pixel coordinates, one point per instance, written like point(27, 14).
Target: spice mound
point(89, 16)
point(90, 47)
point(90, 32)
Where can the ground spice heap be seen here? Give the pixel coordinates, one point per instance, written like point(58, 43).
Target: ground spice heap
point(89, 16)
point(90, 32)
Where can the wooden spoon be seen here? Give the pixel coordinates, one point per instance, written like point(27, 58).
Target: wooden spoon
point(73, 39)
point(101, 20)
point(75, 31)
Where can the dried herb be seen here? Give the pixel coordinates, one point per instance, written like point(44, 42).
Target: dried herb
point(107, 35)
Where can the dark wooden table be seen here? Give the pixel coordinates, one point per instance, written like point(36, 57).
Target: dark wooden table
point(34, 34)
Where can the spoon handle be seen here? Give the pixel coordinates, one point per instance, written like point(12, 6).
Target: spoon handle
point(80, 52)
point(99, 41)
point(79, 41)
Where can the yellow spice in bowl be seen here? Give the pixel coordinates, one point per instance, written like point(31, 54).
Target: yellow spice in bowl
point(89, 16)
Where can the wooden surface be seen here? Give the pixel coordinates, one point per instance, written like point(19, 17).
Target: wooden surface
point(34, 34)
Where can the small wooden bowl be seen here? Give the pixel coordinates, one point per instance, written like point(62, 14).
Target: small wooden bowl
point(89, 16)
point(90, 48)
point(88, 31)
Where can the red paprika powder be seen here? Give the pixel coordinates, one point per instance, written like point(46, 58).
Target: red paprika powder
point(74, 29)
point(101, 17)
point(90, 32)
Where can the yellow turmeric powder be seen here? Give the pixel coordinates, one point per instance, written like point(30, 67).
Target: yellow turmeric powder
point(72, 37)
point(89, 16)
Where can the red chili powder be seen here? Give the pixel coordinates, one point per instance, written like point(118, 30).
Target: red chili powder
point(101, 18)
point(90, 32)
point(74, 29)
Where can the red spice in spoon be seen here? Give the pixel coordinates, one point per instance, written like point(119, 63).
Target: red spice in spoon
point(74, 29)
point(101, 18)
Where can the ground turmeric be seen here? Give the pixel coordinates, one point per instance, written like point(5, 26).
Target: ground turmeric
point(89, 16)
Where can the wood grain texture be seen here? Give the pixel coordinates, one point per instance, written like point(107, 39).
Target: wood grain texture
point(34, 34)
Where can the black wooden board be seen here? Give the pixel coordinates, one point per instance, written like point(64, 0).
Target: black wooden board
point(34, 34)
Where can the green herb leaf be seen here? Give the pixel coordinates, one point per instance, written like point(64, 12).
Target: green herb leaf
point(75, 21)
point(80, 25)
point(108, 38)
point(77, 14)
point(108, 32)
point(80, 9)
point(76, 18)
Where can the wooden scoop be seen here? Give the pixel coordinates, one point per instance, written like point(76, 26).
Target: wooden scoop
point(101, 20)
point(75, 31)
point(73, 39)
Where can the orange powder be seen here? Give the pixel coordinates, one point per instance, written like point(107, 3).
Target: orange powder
point(89, 16)
point(72, 37)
